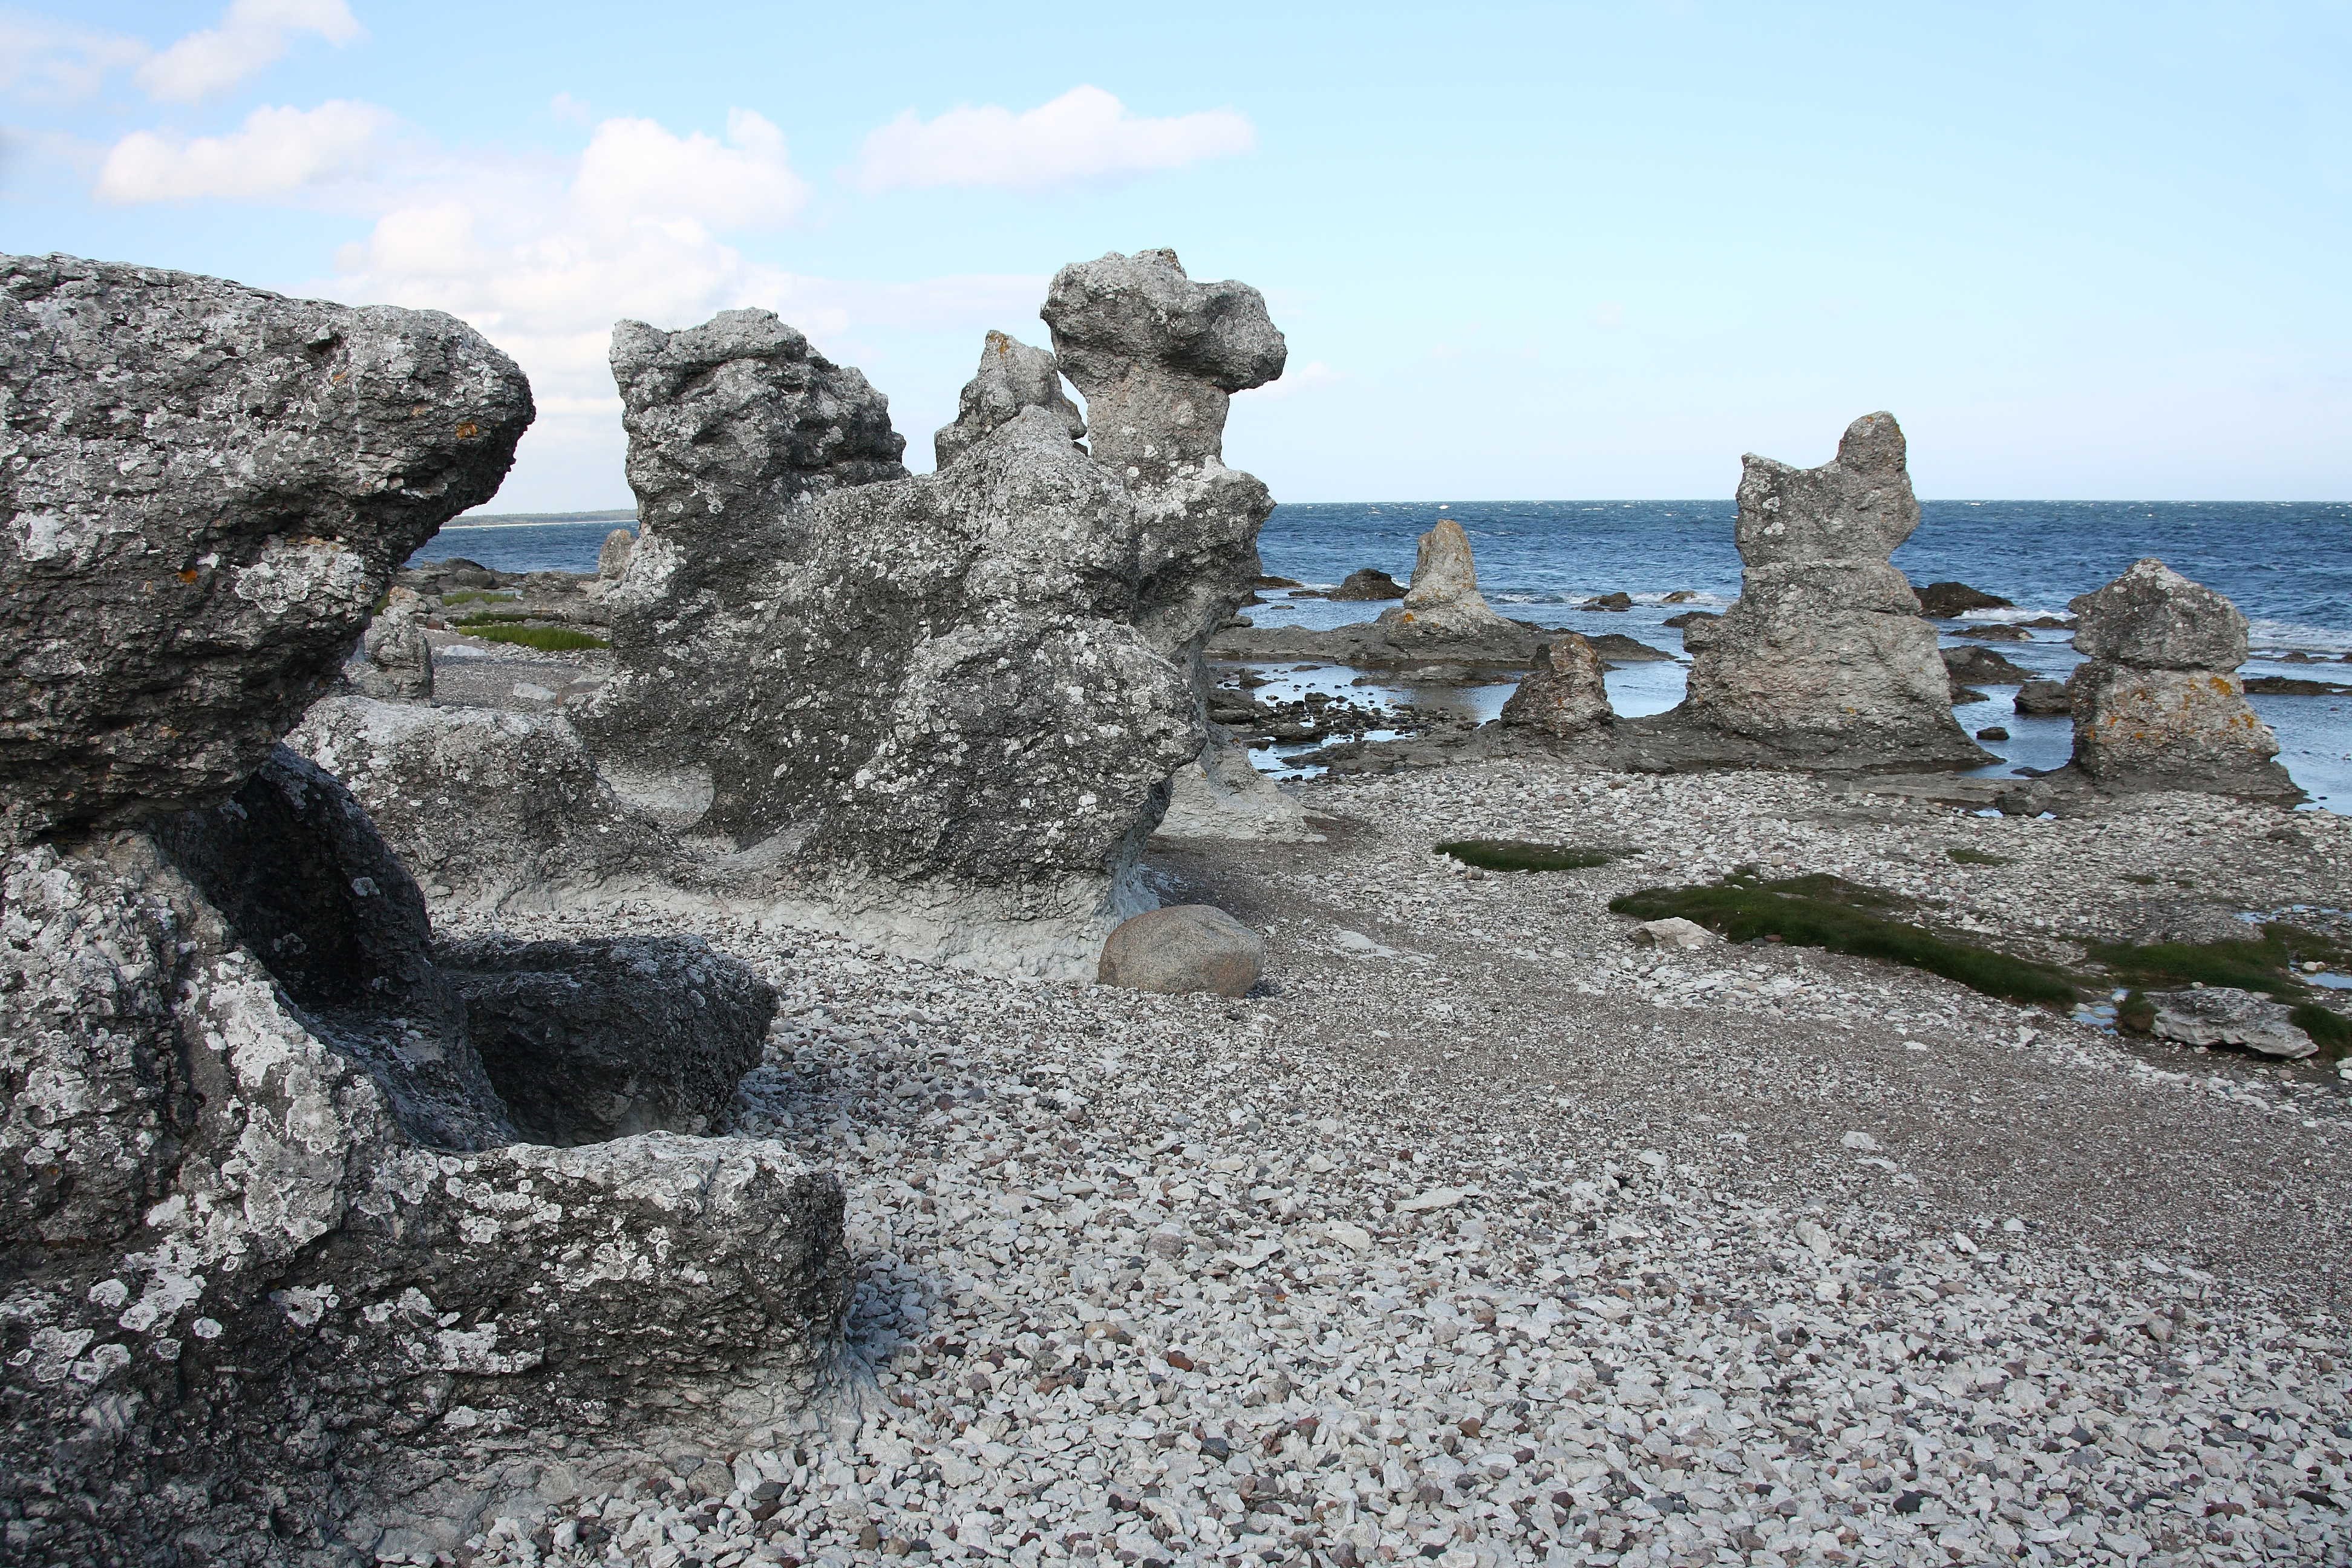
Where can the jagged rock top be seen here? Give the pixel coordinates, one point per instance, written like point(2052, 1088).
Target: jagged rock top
point(2154, 618)
point(695, 445)
point(203, 489)
point(1012, 376)
point(1856, 507)
point(1117, 308)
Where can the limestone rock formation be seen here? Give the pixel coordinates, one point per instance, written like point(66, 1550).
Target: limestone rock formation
point(2158, 704)
point(2226, 1015)
point(1012, 376)
point(1183, 948)
point(1443, 601)
point(395, 659)
point(1823, 662)
point(1221, 794)
point(1564, 692)
point(613, 555)
point(204, 491)
point(960, 696)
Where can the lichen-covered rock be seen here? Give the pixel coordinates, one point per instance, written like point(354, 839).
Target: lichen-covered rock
point(2158, 704)
point(1823, 661)
point(1012, 376)
point(243, 1288)
point(835, 682)
point(204, 491)
point(589, 1041)
point(395, 660)
point(1565, 692)
point(613, 555)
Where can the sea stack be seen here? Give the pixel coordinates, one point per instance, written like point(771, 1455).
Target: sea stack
point(1825, 661)
point(1564, 693)
point(2158, 705)
point(1443, 601)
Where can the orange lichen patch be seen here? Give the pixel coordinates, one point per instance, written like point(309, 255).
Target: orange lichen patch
point(469, 430)
point(189, 575)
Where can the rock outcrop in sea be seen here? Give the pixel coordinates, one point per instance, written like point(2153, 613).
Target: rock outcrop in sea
point(268, 1220)
point(2158, 704)
point(1823, 662)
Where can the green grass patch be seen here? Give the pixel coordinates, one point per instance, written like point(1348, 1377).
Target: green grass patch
point(477, 596)
point(1976, 858)
point(1522, 854)
point(546, 639)
point(1827, 912)
point(2265, 962)
point(2135, 1013)
point(2330, 1031)
point(500, 618)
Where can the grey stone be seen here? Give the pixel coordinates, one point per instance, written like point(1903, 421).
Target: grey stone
point(395, 659)
point(1443, 620)
point(204, 491)
point(1368, 583)
point(1221, 794)
point(1949, 600)
point(1565, 692)
point(613, 555)
point(1674, 931)
point(1823, 661)
point(589, 1041)
point(1183, 948)
point(1983, 666)
point(2043, 700)
point(1012, 376)
point(2145, 715)
point(2225, 1015)
point(1443, 601)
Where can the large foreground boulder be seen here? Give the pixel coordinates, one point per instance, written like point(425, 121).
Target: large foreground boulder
point(2158, 704)
point(204, 491)
point(1823, 662)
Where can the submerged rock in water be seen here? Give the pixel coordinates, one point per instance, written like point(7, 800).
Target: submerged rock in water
point(1823, 661)
point(2043, 700)
point(2158, 704)
point(1949, 600)
point(1565, 694)
point(208, 489)
point(1368, 583)
point(1983, 666)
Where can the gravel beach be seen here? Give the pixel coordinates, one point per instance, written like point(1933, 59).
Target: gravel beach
point(1486, 1236)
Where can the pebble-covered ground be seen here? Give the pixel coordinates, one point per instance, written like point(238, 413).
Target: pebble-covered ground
point(1487, 1238)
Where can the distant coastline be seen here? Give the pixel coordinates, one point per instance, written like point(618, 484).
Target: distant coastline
point(538, 519)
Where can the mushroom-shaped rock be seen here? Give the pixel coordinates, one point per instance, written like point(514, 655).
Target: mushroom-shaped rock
point(1183, 948)
point(1012, 376)
point(206, 491)
point(1565, 692)
point(1823, 661)
point(2158, 704)
point(1157, 356)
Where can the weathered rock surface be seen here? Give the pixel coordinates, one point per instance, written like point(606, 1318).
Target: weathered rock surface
point(589, 1041)
point(951, 704)
point(1012, 376)
point(2225, 1015)
point(1823, 662)
point(1674, 931)
point(613, 555)
point(1183, 948)
point(1221, 794)
point(2158, 704)
point(1368, 583)
point(395, 660)
point(1443, 601)
point(2043, 700)
point(1983, 666)
point(204, 491)
point(1565, 692)
point(1949, 600)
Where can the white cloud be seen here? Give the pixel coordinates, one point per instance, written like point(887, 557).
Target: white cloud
point(277, 153)
point(53, 61)
point(252, 35)
point(1085, 134)
point(636, 170)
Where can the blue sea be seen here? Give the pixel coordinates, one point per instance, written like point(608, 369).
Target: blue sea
point(2287, 566)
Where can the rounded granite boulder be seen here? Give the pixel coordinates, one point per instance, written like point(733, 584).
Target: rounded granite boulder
point(1183, 948)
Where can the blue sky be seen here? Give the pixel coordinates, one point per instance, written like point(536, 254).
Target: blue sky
point(1519, 251)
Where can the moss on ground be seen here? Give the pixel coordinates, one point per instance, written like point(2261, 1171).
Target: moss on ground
point(546, 639)
point(477, 596)
point(1976, 858)
point(2265, 962)
point(1827, 912)
point(1523, 855)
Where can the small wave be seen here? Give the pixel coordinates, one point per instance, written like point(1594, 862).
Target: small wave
point(2293, 637)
